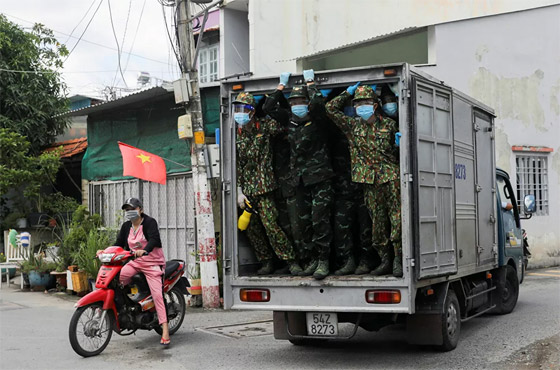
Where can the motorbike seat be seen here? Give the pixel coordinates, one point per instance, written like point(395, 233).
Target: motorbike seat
point(170, 267)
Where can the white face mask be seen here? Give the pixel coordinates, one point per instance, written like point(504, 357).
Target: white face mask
point(131, 215)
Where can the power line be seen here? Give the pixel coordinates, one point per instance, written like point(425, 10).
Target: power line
point(89, 42)
point(169, 35)
point(74, 29)
point(85, 29)
point(123, 40)
point(51, 72)
point(116, 41)
point(135, 34)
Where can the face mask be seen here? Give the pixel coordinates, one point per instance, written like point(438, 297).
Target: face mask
point(131, 215)
point(242, 118)
point(300, 110)
point(390, 109)
point(365, 111)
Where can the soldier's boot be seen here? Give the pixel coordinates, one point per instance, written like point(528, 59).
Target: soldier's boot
point(282, 270)
point(384, 268)
point(364, 266)
point(294, 268)
point(348, 267)
point(267, 268)
point(310, 268)
point(397, 267)
point(322, 270)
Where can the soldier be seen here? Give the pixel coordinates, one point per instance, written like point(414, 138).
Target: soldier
point(375, 163)
point(256, 178)
point(310, 167)
point(349, 211)
point(390, 103)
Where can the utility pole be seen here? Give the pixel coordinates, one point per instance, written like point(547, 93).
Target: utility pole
point(205, 237)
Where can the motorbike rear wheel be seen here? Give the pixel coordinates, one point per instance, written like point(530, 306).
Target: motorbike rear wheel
point(88, 335)
point(176, 298)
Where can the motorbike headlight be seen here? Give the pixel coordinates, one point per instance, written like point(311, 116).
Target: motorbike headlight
point(106, 257)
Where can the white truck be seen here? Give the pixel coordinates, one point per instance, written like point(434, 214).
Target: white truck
point(462, 252)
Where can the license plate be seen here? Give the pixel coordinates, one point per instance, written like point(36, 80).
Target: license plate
point(322, 324)
point(133, 290)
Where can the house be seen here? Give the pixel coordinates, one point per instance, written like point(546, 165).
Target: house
point(505, 55)
point(146, 119)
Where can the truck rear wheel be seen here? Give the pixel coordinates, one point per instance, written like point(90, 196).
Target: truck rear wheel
point(451, 322)
point(507, 296)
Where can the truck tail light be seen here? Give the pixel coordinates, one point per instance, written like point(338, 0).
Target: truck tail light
point(383, 296)
point(390, 72)
point(254, 295)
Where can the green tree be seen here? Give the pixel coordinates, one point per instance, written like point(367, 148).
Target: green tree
point(31, 102)
point(20, 170)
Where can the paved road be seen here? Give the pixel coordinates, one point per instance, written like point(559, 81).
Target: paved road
point(33, 335)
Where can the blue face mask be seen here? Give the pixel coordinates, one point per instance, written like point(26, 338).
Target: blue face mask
point(242, 118)
point(390, 109)
point(365, 111)
point(300, 110)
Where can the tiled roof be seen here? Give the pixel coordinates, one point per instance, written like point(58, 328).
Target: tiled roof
point(70, 147)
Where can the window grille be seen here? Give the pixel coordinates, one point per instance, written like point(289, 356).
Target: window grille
point(532, 178)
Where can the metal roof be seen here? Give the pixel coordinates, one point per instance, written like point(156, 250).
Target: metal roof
point(409, 29)
point(135, 97)
point(360, 42)
point(70, 147)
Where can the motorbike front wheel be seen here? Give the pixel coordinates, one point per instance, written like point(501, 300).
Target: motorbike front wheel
point(90, 331)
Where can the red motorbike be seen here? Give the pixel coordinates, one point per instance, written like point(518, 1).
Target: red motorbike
point(124, 309)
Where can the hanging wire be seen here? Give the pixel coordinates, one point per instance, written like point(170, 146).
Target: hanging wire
point(135, 34)
point(84, 31)
point(116, 41)
point(80, 22)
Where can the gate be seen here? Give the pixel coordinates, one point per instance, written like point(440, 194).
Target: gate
point(172, 205)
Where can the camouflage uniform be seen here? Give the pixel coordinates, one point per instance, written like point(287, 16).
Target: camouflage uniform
point(281, 166)
point(310, 173)
point(375, 163)
point(256, 178)
point(257, 236)
point(349, 211)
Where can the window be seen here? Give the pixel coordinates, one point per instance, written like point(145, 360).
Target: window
point(532, 178)
point(208, 64)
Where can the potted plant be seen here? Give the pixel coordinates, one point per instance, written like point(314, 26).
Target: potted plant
point(11, 270)
point(85, 255)
point(38, 269)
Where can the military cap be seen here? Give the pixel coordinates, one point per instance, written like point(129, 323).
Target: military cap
point(245, 98)
point(364, 92)
point(299, 92)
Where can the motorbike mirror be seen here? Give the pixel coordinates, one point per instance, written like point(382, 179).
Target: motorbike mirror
point(529, 204)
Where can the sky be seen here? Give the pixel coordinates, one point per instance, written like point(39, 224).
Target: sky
point(93, 65)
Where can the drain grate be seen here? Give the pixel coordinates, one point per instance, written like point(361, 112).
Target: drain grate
point(244, 330)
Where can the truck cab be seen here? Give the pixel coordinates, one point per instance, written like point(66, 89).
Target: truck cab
point(510, 233)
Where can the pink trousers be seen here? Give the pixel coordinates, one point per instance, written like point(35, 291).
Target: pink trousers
point(153, 275)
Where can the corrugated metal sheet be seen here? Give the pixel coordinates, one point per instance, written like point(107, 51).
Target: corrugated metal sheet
point(356, 43)
point(134, 97)
point(70, 147)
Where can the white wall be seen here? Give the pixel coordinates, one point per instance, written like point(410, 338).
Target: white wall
point(285, 29)
point(511, 62)
point(234, 42)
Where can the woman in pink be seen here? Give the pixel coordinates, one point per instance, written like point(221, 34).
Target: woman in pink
point(140, 234)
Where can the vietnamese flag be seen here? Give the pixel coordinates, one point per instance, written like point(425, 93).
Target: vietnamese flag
point(143, 165)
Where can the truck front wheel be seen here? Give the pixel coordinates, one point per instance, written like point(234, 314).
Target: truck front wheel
point(508, 293)
point(451, 322)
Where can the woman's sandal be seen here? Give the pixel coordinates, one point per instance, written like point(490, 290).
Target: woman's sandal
point(165, 342)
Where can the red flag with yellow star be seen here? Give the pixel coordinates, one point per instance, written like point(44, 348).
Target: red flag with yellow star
point(143, 165)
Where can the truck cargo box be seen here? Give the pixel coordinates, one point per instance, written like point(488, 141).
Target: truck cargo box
point(448, 197)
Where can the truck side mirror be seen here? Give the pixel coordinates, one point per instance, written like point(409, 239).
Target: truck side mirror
point(529, 205)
